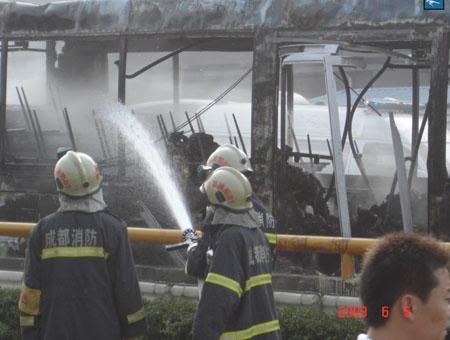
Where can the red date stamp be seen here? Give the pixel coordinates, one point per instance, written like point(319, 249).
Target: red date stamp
point(354, 312)
point(350, 312)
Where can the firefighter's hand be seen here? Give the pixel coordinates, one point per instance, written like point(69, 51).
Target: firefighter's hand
point(192, 246)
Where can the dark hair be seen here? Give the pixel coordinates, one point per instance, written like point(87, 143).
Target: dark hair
point(399, 264)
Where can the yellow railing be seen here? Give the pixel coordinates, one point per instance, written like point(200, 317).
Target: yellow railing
point(291, 243)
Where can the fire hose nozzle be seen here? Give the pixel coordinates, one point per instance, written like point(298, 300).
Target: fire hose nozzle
point(189, 237)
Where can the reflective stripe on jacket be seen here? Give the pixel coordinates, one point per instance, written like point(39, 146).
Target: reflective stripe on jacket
point(79, 280)
point(237, 298)
point(196, 264)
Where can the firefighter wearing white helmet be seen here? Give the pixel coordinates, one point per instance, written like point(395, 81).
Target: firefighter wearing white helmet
point(228, 188)
point(229, 155)
point(79, 279)
point(77, 175)
point(237, 297)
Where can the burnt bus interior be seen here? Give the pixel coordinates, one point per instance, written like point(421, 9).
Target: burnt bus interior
point(292, 47)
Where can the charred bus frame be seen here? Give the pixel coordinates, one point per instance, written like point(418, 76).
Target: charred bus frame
point(261, 27)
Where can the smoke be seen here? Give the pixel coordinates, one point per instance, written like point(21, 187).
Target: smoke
point(27, 69)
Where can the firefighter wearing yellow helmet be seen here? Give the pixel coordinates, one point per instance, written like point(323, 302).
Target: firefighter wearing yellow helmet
point(79, 279)
point(237, 299)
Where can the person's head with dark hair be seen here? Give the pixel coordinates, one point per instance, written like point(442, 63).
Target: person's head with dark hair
point(405, 286)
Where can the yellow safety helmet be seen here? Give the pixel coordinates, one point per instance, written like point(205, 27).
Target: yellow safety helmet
point(229, 188)
point(229, 155)
point(77, 175)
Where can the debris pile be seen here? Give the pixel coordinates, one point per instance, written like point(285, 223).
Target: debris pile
point(303, 210)
point(387, 217)
point(302, 204)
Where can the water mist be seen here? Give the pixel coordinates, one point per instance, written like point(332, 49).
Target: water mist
point(139, 138)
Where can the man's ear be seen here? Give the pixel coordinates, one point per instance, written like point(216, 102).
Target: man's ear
point(408, 304)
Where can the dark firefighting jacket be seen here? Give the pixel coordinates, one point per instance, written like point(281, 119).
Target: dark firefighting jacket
point(196, 261)
point(266, 220)
point(237, 299)
point(79, 280)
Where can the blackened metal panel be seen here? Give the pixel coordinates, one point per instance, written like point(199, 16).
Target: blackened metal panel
point(96, 17)
point(3, 80)
point(173, 15)
point(121, 94)
point(437, 135)
point(65, 16)
point(347, 14)
point(264, 113)
point(176, 85)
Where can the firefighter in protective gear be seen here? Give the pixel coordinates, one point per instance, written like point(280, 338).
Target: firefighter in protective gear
point(77, 175)
point(79, 280)
point(237, 299)
point(228, 188)
point(230, 155)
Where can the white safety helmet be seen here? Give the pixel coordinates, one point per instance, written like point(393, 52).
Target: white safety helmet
point(229, 188)
point(77, 175)
point(229, 155)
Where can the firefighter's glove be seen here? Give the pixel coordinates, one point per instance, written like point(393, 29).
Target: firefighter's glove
point(192, 246)
point(200, 243)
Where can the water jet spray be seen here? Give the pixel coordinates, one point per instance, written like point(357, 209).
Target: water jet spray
point(139, 138)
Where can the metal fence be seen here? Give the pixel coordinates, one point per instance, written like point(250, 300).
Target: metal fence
point(347, 247)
